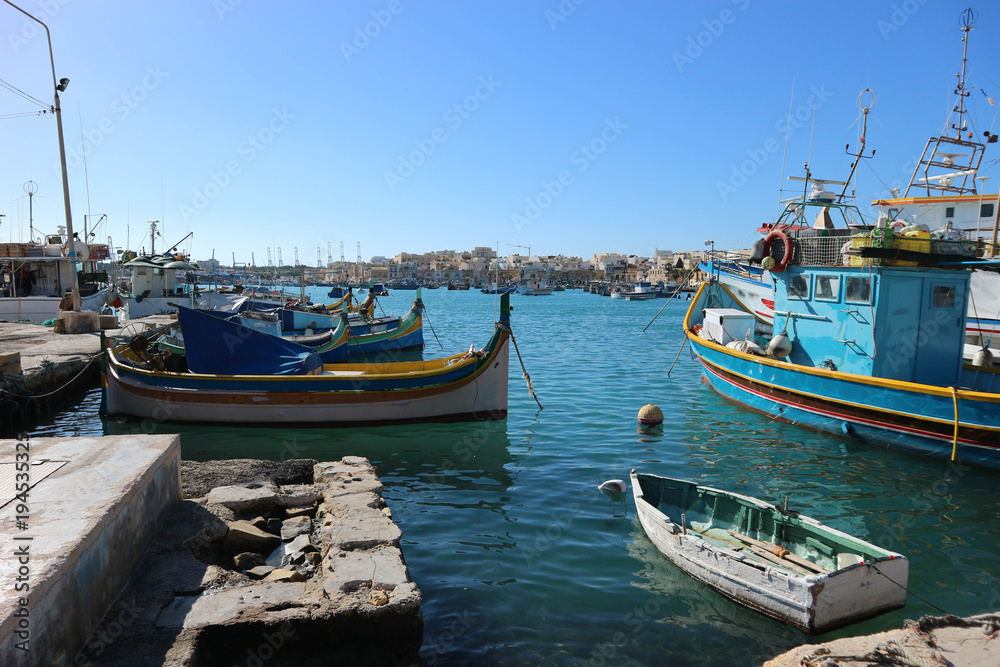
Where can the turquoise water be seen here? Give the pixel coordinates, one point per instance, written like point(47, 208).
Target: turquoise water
point(522, 561)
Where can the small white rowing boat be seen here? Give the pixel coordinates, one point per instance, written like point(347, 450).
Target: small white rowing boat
point(783, 564)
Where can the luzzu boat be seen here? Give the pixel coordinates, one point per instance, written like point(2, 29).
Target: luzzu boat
point(871, 342)
point(364, 333)
point(294, 387)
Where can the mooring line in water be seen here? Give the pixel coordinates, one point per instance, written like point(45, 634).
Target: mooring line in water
point(676, 292)
point(678, 354)
point(432, 328)
point(527, 378)
point(908, 591)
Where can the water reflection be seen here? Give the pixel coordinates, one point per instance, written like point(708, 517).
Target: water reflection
point(692, 605)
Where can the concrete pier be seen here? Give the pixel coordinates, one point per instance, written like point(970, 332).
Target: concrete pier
point(973, 641)
point(334, 589)
point(70, 543)
point(40, 365)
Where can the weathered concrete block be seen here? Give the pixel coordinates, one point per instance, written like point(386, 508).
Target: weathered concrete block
point(109, 322)
point(260, 571)
point(78, 322)
point(249, 497)
point(290, 528)
point(10, 362)
point(298, 495)
point(346, 571)
point(281, 574)
point(362, 528)
point(244, 536)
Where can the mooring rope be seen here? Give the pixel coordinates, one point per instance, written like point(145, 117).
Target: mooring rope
point(908, 591)
point(527, 378)
point(431, 325)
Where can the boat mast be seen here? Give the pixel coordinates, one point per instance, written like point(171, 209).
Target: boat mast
point(936, 158)
point(967, 19)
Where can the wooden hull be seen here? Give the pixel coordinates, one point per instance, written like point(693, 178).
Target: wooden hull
point(813, 603)
point(451, 388)
point(900, 415)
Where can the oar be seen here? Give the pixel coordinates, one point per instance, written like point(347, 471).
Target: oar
point(777, 560)
point(769, 547)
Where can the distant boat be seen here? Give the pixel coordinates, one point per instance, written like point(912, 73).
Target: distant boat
point(294, 387)
point(406, 285)
point(493, 289)
point(536, 288)
point(776, 561)
point(34, 278)
point(336, 293)
point(642, 291)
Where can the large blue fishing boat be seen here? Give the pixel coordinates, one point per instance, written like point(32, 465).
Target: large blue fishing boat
point(871, 338)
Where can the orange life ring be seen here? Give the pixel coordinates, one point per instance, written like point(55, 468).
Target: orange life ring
point(786, 259)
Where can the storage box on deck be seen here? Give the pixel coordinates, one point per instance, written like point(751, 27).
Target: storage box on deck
point(727, 324)
point(962, 248)
point(13, 249)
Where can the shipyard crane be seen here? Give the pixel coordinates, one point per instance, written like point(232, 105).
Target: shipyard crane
point(279, 257)
point(296, 249)
point(269, 262)
point(319, 258)
point(329, 253)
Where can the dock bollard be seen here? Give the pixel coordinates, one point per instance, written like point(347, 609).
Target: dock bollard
point(650, 415)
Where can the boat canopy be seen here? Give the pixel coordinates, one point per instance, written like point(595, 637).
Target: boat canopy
point(216, 343)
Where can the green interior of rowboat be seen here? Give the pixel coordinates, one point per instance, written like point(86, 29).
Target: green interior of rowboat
point(713, 514)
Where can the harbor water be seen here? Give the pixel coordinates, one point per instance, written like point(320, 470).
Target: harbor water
point(522, 561)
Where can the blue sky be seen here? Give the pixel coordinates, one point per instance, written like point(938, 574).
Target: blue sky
point(419, 125)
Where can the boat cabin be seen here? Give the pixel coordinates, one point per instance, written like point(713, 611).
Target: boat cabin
point(880, 321)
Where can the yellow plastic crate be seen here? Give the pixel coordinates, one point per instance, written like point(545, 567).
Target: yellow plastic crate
point(915, 244)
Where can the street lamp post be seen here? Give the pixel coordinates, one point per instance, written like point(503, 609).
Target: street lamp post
point(58, 88)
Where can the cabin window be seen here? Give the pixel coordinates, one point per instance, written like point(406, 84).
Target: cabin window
point(942, 296)
point(893, 213)
point(986, 211)
point(828, 288)
point(949, 212)
point(857, 289)
point(798, 287)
